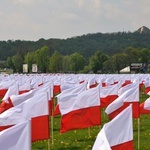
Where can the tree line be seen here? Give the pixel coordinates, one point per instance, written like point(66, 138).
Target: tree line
point(97, 53)
point(99, 62)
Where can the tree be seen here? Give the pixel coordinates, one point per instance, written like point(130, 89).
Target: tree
point(108, 66)
point(17, 61)
point(119, 61)
point(42, 59)
point(144, 56)
point(65, 63)
point(76, 62)
point(10, 64)
point(30, 59)
point(97, 60)
point(56, 62)
point(132, 54)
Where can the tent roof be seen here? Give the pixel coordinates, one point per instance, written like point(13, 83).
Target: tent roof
point(126, 69)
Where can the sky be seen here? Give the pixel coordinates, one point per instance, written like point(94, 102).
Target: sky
point(32, 20)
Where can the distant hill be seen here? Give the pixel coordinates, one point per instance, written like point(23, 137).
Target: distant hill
point(143, 30)
point(87, 45)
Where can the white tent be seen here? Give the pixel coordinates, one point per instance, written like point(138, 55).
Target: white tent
point(125, 70)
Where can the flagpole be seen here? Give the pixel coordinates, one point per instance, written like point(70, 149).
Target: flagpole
point(52, 120)
point(49, 120)
point(89, 132)
point(48, 144)
point(138, 133)
point(52, 127)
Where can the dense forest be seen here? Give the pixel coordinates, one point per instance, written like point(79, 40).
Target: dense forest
point(108, 44)
point(87, 45)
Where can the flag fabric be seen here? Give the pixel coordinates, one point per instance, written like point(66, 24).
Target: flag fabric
point(80, 111)
point(126, 82)
point(25, 87)
point(91, 82)
point(17, 137)
point(116, 134)
point(4, 85)
point(48, 89)
point(18, 99)
point(6, 101)
point(108, 94)
point(147, 86)
point(145, 107)
point(34, 109)
point(126, 87)
point(2, 92)
point(131, 96)
point(74, 90)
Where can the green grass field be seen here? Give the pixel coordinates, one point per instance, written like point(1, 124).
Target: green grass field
point(83, 139)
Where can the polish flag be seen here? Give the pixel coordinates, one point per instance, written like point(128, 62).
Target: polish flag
point(47, 88)
point(34, 109)
point(4, 85)
point(25, 87)
point(18, 99)
point(147, 86)
point(91, 82)
point(126, 87)
point(74, 90)
point(145, 107)
point(80, 111)
point(126, 82)
point(17, 137)
point(116, 134)
point(6, 101)
point(108, 94)
point(131, 96)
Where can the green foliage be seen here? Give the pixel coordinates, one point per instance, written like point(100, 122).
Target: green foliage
point(119, 61)
point(135, 45)
point(17, 61)
point(144, 56)
point(56, 62)
point(42, 59)
point(30, 59)
point(97, 60)
point(65, 64)
point(86, 45)
point(132, 54)
point(76, 62)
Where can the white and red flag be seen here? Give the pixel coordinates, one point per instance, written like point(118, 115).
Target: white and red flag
point(147, 85)
point(4, 85)
point(116, 134)
point(35, 109)
point(6, 101)
point(18, 99)
point(108, 94)
point(17, 137)
point(145, 107)
point(131, 96)
point(25, 87)
point(74, 90)
point(80, 111)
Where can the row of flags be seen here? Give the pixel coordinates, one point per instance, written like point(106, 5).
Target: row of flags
point(79, 102)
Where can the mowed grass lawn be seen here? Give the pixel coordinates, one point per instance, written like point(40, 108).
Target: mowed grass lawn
point(83, 139)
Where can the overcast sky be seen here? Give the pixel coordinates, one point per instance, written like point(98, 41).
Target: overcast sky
point(35, 19)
